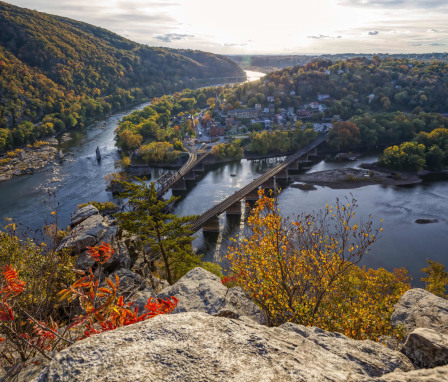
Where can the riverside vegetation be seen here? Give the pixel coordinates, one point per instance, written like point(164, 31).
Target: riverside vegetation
point(302, 271)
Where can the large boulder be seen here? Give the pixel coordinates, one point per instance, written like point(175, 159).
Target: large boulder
point(83, 213)
point(89, 232)
point(437, 374)
point(369, 357)
point(426, 348)
point(202, 291)
point(199, 347)
point(418, 308)
point(84, 234)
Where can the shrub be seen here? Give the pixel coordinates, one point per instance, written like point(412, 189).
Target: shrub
point(304, 270)
point(101, 309)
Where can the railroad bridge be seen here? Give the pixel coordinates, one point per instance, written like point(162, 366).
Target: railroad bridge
point(209, 221)
point(176, 180)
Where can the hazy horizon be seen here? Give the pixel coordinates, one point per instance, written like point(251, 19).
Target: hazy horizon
point(260, 27)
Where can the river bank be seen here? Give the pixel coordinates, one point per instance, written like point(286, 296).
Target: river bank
point(28, 159)
point(349, 178)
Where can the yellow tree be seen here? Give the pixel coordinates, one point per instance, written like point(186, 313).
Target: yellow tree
point(304, 271)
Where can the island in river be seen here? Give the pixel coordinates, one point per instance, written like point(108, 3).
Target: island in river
point(353, 178)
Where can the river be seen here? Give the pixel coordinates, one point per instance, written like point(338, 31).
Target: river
point(403, 243)
point(80, 178)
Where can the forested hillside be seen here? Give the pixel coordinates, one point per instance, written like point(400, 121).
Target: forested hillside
point(62, 73)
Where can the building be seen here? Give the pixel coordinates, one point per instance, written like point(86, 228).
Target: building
point(322, 97)
point(243, 113)
point(292, 93)
point(290, 110)
point(258, 106)
point(270, 99)
point(216, 131)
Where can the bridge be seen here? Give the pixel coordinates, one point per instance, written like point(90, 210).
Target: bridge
point(172, 178)
point(209, 219)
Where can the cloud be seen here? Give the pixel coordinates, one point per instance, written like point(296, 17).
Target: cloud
point(323, 37)
point(170, 37)
point(402, 4)
point(373, 33)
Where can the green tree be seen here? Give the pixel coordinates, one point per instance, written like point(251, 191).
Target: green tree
point(437, 278)
point(164, 235)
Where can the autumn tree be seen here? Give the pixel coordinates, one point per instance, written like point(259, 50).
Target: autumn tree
point(436, 279)
point(343, 135)
point(304, 270)
point(407, 156)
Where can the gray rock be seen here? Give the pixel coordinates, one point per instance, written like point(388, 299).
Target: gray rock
point(418, 308)
point(437, 374)
point(130, 282)
point(426, 348)
point(202, 291)
point(83, 213)
point(199, 347)
point(121, 257)
point(87, 233)
point(140, 298)
point(369, 357)
point(84, 262)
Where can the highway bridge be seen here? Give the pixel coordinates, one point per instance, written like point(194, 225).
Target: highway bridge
point(207, 220)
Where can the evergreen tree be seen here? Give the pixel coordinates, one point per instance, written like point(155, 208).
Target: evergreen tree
point(164, 235)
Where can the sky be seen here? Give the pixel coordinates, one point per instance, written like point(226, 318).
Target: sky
point(267, 26)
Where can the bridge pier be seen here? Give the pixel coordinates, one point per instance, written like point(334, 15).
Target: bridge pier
point(270, 184)
point(234, 209)
point(252, 196)
point(212, 225)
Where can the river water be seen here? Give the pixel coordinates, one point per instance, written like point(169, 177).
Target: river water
point(80, 178)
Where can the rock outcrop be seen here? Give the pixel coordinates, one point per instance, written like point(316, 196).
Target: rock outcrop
point(426, 348)
point(369, 357)
point(437, 374)
point(425, 318)
point(199, 347)
point(202, 291)
point(419, 308)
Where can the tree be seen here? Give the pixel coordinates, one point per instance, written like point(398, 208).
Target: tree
point(437, 278)
point(407, 156)
point(343, 135)
point(163, 234)
point(304, 270)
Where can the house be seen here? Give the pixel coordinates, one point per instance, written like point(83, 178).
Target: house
point(266, 110)
point(229, 122)
point(290, 110)
point(322, 97)
point(258, 106)
point(304, 113)
point(314, 105)
point(243, 113)
point(292, 93)
point(340, 72)
point(270, 99)
point(328, 72)
point(371, 97)
point(217, 131)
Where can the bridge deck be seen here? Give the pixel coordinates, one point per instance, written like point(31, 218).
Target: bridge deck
point(167, 180)
point(238, 195)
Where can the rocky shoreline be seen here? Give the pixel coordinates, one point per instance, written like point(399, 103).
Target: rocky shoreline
point(349, 178)
point(28, 160)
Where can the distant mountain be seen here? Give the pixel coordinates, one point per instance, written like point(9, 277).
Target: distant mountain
point(271, 62)
point(64, 72)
